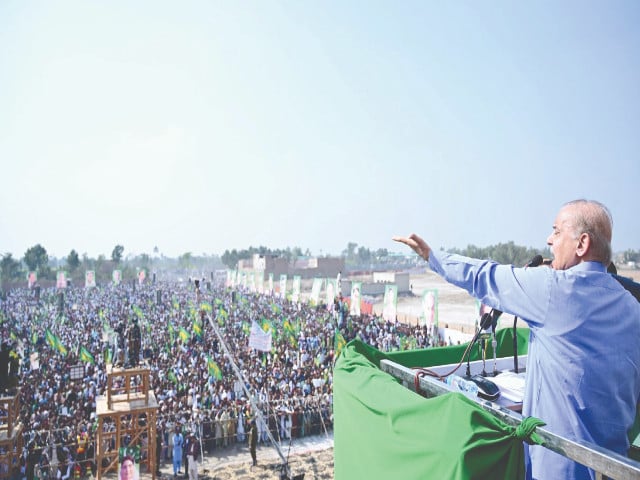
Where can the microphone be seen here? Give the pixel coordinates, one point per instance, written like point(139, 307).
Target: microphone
point(485, 323)
point(535, 261)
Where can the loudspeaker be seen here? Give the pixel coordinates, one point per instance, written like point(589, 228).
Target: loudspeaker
point(159, 297)
point(60, 302)
point(154, 277)
point(37, 293)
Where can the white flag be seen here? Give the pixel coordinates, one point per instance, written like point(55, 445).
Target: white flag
point(259, 339)
point(34, 359)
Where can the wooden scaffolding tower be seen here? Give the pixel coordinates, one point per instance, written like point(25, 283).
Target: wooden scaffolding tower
point(127, 417)
point(10, 435)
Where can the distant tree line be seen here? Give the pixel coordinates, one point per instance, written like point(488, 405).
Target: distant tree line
point(36, 259)
point(505, 253)
point(356, 257)
point(361, 255)
point(230, 258)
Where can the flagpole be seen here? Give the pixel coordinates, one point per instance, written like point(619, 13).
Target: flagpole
point(322, 419)
point(238, 374)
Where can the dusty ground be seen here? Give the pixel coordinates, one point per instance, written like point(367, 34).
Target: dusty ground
point(311, 456)
point(314, 465)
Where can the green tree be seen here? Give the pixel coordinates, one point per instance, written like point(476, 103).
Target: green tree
point(349, 253)
point(9, 267)
point(144, 260)
point(73, 261)
point(230, 258)
point(381, 253)
point(36, 259)
point(364, 255)
point(116, 254)
point(184, 260)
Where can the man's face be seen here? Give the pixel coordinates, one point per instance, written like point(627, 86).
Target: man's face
point(562, 242)
point(128, 470)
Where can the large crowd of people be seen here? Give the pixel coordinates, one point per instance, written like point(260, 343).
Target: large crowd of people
point(191, 366)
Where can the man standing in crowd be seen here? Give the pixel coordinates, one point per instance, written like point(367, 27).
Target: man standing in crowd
point(253, 441)
point(193, 451)
point(178, 441)
point(583, 367)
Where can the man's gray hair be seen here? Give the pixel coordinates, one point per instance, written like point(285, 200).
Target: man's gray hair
point(594, 219)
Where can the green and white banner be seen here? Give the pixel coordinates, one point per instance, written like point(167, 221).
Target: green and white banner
point(330, 292)
point(61, 280)
point(89, 279)
point(295, 296)
point(430, 308)
point(260, 281)
point(316, 287)
point(389, 310)
point(283, 286)
point(354, 305)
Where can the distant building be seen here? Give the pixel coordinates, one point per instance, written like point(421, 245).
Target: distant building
point(305, 267)
point(378, 281)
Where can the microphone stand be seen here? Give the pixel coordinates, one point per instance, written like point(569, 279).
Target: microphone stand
point(515, 345)
point(485, 322)
point(494, 345)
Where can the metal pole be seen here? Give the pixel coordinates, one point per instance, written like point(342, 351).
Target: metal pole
point(249, 396)
point(322, 420)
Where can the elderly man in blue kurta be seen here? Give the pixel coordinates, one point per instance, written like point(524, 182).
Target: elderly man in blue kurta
point(178, 443)
point(583, 366)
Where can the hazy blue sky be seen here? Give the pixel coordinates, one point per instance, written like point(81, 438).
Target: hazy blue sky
point(200, 126)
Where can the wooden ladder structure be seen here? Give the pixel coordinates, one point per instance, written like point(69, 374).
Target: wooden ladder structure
point(11, 442)
point(127, 417)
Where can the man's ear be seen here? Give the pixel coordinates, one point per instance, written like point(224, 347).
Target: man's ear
point(584, 243)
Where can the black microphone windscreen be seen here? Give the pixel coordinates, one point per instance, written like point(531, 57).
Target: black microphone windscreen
point(485, 321)
point(535, 261)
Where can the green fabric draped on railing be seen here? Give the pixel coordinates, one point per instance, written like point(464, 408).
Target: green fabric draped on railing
point(383, 430)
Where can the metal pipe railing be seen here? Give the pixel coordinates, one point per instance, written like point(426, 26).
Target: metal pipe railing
point(601, 460)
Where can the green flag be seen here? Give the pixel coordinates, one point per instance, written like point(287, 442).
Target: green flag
point(138, 311)
point(338, 343)
point(214, 369)
point(50, 338)
point(172, 377)
point(60, 347)
point(197, 329)
point(222, 316)
point(184, 335)
point(85, 356)
point(108, 355)
point(289, 329)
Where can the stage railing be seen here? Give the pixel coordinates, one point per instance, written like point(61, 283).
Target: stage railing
point(602, 461)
